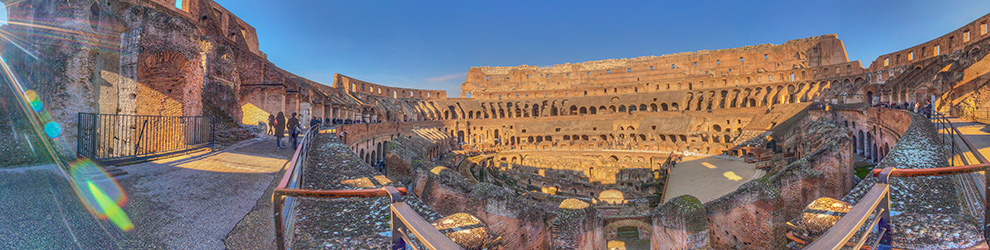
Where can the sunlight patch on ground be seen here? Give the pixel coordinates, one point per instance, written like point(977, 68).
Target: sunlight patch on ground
point(732, 176)
point(709, 165)
point(236, 163)
point(614, 244)
point(362, 182)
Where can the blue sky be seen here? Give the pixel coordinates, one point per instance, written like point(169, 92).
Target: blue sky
point(431, 45)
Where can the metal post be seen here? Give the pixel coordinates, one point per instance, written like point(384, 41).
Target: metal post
point(277, 199)
point(884, 224)
point(213, 131)
point(395, 196)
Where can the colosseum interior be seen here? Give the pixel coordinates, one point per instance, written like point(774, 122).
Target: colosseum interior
point(770, 146)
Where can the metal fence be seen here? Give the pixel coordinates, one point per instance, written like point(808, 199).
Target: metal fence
point(112, 138)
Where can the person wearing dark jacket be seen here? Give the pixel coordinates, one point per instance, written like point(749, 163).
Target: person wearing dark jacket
point(279, 130)
point(271, 124)
point(293, 126)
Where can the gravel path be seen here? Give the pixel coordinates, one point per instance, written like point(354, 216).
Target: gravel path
point(355, 223)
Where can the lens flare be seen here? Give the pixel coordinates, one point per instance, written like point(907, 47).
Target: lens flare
point(99, 193)
point(116, 215)
point(53, 129)
point(36, 105)
point(31, 95)
point(33, 100)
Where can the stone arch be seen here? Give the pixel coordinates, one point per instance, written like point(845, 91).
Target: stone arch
point(162, 78)
point(645, 230)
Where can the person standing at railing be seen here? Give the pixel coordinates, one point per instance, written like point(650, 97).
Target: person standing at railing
point(279, 130)
point(294, 129)
point(314, 121)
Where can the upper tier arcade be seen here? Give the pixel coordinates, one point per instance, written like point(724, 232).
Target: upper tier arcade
point(748, 64)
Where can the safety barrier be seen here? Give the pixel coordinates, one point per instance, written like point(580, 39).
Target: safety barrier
point(113, 138)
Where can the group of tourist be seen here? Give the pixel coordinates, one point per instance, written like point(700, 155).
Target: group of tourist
point(350, 121)
point(674, 159)
point(277, 126)
point(925, 110)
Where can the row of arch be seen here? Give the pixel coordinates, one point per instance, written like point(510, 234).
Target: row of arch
point(372, 151)
point(700, 100)
point(796, 75)
point(492, 110)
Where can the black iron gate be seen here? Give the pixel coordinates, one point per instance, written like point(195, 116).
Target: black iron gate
point(111, 138)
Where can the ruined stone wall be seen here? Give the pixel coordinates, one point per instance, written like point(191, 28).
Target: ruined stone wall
point(354, 85)
point(713, 66)
point(520, 224)
point(753, 216)
point(977, 106)
point(681, 223)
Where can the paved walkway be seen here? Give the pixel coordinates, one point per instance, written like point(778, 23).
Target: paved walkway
point(40, 210)
point(210, 200)
point(708, 178)
point(976, 133)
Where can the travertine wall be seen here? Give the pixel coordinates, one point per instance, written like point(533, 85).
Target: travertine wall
point(796, 60)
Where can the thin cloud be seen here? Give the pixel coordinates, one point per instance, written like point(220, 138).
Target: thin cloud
point(445, 78)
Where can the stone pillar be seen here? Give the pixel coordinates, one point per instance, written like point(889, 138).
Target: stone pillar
point(130, 45)
point(681, 223)
point(305, 113)
point(577, 226)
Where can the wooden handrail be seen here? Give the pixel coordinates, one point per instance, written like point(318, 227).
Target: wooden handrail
point(843, 230)
point(935, 171)
point(803, 241)
point(428, 235)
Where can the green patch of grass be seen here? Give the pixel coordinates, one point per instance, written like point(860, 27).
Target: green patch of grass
point(863, 171)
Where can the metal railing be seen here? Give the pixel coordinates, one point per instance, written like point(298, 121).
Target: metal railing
point(112, 138)
point(404, 220)
point(876, 202)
